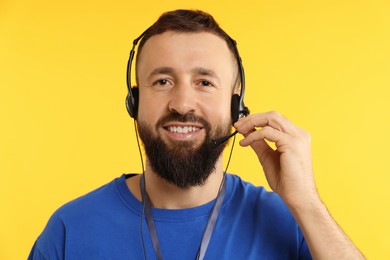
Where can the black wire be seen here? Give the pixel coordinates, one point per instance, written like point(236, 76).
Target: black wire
point(143, 171)
point(143, 204)
point(139, 146)
point(220, 188)
point(142, 230)
point(230, 155)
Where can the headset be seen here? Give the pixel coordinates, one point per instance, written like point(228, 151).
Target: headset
point(238, 108)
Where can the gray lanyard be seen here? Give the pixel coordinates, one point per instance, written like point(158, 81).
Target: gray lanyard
point(208, 231)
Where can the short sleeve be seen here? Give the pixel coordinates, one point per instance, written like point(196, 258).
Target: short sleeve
point(51, 243)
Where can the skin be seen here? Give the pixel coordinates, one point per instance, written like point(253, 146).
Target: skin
point(182, 88)
point(176, 74)
point(288, 170)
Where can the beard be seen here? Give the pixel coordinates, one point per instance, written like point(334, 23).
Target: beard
point(182, 164)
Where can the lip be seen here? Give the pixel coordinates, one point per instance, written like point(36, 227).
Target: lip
point(183, 124)
point(183, 136)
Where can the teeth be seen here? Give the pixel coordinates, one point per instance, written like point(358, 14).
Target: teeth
point(183, 130)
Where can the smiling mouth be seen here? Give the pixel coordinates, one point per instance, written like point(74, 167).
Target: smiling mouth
point(182, 129)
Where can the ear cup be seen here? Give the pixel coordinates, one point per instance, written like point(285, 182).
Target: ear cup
point(235, 107)
point(132, 102)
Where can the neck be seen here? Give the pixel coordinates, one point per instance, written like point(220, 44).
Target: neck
point(168, 196)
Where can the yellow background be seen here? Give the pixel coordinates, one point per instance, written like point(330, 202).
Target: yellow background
point(64, 129)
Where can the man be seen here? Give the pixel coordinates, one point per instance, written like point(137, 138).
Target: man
point(184, 206)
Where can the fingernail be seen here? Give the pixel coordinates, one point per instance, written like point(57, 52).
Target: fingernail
point(243, 143)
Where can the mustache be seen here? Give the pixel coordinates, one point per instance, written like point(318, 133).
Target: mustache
point(186, 118)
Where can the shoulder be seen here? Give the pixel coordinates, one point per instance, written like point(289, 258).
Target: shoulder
point(241, 187)
point(262, 216)
point(73, 216)
point(91, 201)
point(85, 205)
point(245, 194)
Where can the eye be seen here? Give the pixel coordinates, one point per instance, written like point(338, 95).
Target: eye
point(161, 82)
point(206, 83)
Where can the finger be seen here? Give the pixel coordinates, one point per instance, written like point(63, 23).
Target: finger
point(265, 133)
point(272, 119)
point(261, 148)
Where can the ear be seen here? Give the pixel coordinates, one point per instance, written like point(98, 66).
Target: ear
point(132, 102)
point(235, 108)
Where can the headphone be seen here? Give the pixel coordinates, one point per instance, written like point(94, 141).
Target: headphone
point(238, 108)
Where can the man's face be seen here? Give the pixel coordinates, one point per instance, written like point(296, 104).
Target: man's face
point(185, 87)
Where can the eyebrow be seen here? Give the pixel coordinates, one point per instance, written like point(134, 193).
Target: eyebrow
point(197, 71)
point(204, 72)
point(160, 70)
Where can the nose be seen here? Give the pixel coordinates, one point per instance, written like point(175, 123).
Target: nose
point(183, 100)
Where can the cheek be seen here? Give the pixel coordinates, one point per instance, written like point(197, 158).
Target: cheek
point(218, 110)
point(149, 109)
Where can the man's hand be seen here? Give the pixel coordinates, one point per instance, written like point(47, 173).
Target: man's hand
point(288, 169)
point(289, 173)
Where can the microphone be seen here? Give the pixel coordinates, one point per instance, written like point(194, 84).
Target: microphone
point(217, 142)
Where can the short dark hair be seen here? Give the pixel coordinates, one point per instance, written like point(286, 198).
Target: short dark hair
point(188, 21)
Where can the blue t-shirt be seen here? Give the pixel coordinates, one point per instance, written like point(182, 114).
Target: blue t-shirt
point(106, 224)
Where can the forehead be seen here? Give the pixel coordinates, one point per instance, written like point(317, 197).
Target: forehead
point(189, 49)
